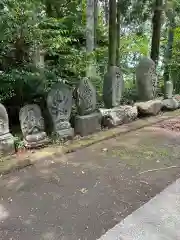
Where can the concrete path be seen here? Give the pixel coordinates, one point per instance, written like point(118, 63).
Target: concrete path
point(159, 219)
point(80, 196)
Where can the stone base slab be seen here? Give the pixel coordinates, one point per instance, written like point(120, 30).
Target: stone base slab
point(88, 124)
point(7, 144)
point(65, 133)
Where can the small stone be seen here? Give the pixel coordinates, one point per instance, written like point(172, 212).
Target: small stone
point(104, 149)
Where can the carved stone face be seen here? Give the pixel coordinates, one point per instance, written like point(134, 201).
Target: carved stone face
point(31, 120)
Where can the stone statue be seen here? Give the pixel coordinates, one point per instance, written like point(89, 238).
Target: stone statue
point(6, 138)
point(59, 104)
point(86, 97)
point(88, 120)
point(32, 126)
point(146, 79)
point(113, 87)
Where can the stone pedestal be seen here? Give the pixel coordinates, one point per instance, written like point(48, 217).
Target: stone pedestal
point(7, 144)
point(87, 124)
point(36, 140)
point(65, 133)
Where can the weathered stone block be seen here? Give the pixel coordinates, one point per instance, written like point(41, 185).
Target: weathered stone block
point(87, 124)
point(7, 144)
point(152, 107)
point(118, 115)
point(177, 97)
point(170, 104)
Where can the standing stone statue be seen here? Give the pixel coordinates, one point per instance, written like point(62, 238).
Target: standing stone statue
point(88, 120)
point(113, 87)
point(168, 90)
point(146, 79)
point(32, 126)
point(6, 138)
point(59, 104)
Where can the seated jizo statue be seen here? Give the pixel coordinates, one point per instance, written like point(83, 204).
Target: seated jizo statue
point(6, 138)
point(32, 126)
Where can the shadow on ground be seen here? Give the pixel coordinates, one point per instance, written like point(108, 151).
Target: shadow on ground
point(83, 194)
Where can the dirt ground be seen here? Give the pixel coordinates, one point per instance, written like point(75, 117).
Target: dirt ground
point(83, 194)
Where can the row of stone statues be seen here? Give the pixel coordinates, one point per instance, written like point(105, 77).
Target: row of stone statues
point(89, 119)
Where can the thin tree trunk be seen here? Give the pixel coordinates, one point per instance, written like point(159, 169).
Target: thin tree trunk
point(168, 53)
point(106, 11)
point(112, 33)
point(118, 33)
point(90, 36)
point(156, 22)
point(95, 22)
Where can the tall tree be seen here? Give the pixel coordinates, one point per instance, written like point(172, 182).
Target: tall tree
point(118, 32)
point(90, 36)
point(156, 33)
point(169, 48)
point(112, 33)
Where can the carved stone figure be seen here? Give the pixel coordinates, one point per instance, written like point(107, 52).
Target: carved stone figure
point(146, 79)
point(6, 138)
point(113, 87)
point(88, 120)
point(32, 126)
point(59, 104)
point(86, 97)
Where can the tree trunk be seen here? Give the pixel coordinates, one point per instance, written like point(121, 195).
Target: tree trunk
point(118, 34)
point(112, 33)
point(90, 36)
point(106, 11)
point(95, 22)
point(156, 22)
point(168, 53)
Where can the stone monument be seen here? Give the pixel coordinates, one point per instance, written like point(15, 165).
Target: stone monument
point(88, 120)
point(59, 104)
point(168, 90)
point(113, 87)
point(146, 79)
point(6, 138)
point(32, 126)
point(114, 114)
point(170, 102)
